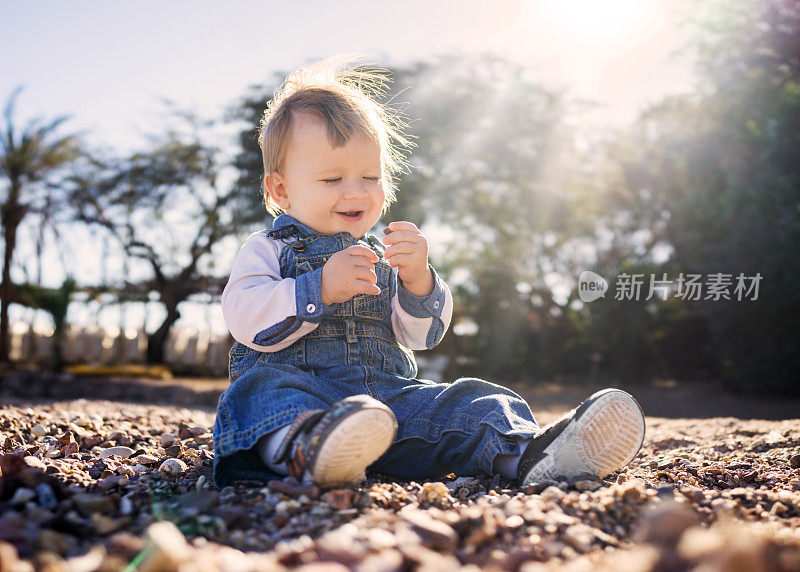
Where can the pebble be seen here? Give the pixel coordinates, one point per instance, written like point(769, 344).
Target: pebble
point(172, 467)
point(38, 430)
point(552, 494)
point(119, 451)
point(21, 496)
point(46, 496)
point(434, 533)
point(383, 523)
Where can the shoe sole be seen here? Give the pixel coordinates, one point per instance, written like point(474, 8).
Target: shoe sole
point(605, 434)
point(353, 445)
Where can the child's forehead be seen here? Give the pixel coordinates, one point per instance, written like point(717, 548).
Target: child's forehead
point(310, 132)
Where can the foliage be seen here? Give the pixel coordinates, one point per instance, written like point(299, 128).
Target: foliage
point(167, 207)
point(30, 157)
point(721, 168)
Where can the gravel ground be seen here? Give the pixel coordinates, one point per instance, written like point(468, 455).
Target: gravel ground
point(106, 485)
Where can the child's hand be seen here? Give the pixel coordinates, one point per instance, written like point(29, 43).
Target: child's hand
point(349, 272)
point(408, 250)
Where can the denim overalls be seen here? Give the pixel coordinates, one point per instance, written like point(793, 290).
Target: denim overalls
point(442, 428)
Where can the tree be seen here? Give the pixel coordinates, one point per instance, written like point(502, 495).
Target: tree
point(29, 157)
point(496, 173)
point(167, 207)
point(721, 172)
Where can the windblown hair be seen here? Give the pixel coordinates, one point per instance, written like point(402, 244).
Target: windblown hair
point(342, 93)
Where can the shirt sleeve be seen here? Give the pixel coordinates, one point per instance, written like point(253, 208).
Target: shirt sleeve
point(420, 322)
point(264, 311)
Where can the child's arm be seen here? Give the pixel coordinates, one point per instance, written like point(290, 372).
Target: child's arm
point(263, 311)
point(423, 305)
point(420, 322)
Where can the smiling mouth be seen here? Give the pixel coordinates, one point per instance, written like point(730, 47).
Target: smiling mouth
point(351, 215)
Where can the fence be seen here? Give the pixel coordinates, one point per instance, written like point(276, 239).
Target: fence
point(188, 351)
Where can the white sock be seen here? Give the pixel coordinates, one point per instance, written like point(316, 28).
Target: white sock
point(506, 465)
point(267, 447)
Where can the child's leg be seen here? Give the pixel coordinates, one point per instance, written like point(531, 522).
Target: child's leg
point(268, 448)
point(472, 426)
point(507, 465)
point(468, 427)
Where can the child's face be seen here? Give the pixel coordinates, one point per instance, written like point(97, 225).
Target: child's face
point(320, 184)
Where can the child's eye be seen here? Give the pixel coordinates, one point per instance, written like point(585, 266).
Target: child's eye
point(372, 179)
point(332, 181)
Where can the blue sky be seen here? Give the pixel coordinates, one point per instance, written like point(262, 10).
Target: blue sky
point(106, 64)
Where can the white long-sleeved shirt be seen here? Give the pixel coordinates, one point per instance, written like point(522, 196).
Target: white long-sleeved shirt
point(268, 313)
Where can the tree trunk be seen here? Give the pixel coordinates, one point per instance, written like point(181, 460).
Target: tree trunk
point(158, 339)
point(11, 217)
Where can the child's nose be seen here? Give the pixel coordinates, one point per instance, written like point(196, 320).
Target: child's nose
point(355, 189)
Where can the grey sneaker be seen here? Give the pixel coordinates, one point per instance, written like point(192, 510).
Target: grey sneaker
point(601, 435)
point(335, 446)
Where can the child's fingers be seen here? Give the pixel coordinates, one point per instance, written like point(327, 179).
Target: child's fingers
point(402, 236)
point(402, 260)
point(401, 248)
point(363, 287)
point(401, 225)
point(362, 251)
point(365, 274)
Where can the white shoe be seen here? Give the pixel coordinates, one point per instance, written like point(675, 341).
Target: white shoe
point(601, 435)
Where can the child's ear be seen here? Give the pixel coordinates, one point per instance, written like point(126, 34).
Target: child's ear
point(275, 185)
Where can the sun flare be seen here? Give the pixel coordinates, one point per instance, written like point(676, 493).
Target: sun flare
point(593, 21)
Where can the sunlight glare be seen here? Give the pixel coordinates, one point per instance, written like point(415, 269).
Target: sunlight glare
point(589, 21)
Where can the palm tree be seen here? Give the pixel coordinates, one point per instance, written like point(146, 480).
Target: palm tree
point(28, 156)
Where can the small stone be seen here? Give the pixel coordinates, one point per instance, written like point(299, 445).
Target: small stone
point(339, 498)
point(778, 508)
point(579, 536)
point(633, 490)
point(21, 496)
point(126, 544)
point(88, 562)
point(587, 485)
point(146, 459)
point(694, 494)
point(172, 467)
point(166, 548)
point(168, 439)
point(38, 430)
point(105, 525)
point(9, 557)
point(56, 542)
point(551, 494)
point(174, 450)
point(69, 449)
point(119, 451)
point(434, 533)
point(434, 491)
point(794, 461)
point(47, 498)
point(663, 524)
point(88, 504)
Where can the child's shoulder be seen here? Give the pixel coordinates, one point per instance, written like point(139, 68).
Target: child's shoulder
point(260, 242)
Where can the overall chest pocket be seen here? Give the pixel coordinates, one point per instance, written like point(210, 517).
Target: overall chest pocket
point(376, 306)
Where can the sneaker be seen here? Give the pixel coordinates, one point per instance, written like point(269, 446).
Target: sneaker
point(601, 435)
point(335, 446)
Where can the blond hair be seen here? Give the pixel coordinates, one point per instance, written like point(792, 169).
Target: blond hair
point(341, 92)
